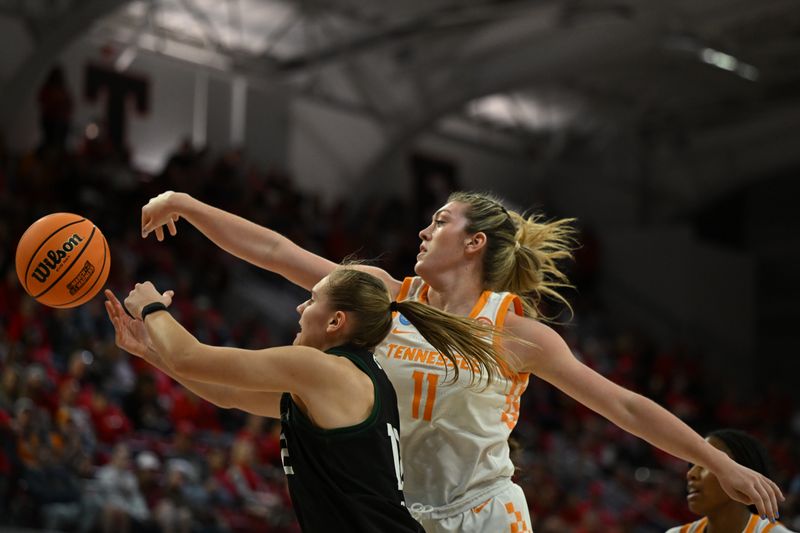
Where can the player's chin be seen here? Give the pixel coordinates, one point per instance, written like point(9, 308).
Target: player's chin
point(696, 505)
point(422, 268)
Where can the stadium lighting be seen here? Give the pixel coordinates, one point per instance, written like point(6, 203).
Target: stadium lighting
point(724, 61)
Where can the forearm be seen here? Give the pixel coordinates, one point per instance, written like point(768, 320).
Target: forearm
point(219, 395)
point(255, 244)
point(234, 234)
point(651, 422)
point(171, 342)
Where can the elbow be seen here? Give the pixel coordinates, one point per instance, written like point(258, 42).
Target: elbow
point(184, 361)
point(635, 408)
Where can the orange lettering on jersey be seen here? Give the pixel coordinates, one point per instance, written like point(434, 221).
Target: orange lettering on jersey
point(417, 376)
point(429, 357)
point(432, 380)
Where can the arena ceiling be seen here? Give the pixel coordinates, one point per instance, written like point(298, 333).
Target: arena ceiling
point(521, 74)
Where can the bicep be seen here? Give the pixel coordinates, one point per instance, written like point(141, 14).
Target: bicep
point(305, 268)
point(298, 265)
point(257, 402)
point(293, 369)
point(392, 284)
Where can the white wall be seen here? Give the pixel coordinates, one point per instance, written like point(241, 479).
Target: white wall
point(328, 148)
point(155, 134)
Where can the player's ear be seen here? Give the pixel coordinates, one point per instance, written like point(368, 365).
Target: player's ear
point(337, 322)
point(475, 242)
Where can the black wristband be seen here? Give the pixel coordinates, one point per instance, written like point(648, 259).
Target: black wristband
point(152, 308)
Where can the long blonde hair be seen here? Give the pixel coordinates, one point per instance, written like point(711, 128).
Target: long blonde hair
point(522, 253)
point(368, 301)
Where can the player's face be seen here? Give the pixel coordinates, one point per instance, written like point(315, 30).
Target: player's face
point(705, 493)
point(443, 241)
point(315, 315)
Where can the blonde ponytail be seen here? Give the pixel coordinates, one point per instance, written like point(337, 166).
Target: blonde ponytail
point(522, 253)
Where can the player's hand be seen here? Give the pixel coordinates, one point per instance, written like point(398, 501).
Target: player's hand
point(751, 488)
point(129, 333)
point(159, 212)
point(143, 294)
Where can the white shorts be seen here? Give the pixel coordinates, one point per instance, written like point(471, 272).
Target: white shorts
point(506, 512)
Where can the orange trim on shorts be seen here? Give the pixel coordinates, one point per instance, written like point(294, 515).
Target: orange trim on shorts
point(479, 508)
point(518, 525)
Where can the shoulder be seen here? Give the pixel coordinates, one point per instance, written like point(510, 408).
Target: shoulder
point(533, 331)
point(313, 369)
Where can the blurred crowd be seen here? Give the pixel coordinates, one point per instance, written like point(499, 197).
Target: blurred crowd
point(93, 439)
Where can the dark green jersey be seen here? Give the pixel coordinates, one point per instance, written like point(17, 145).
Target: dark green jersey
point(347, 479)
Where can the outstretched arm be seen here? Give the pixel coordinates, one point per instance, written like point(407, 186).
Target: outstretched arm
point(552, 360)
point(131, 336)
point(244, 239)
point(333, 391)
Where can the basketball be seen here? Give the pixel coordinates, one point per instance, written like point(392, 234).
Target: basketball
point(62, 260)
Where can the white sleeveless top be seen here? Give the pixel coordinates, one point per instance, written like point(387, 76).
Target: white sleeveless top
point(754, 525)
point(453, 436)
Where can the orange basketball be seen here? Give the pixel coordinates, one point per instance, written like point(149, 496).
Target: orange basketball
point(63, 260)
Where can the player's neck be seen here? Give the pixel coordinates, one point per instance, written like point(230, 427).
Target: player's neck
point(728, 520)
point(455, 293)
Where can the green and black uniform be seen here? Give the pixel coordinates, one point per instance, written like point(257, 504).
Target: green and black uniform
point(347, 479)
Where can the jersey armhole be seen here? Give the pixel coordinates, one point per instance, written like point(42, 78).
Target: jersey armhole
point(506, 303)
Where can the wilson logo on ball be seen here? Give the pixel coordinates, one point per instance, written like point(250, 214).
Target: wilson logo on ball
point(62, 260)
point(54, 258)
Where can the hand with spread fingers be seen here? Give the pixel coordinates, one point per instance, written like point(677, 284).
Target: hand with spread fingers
point(158, 213)
point(129, 333)
point(751, 488)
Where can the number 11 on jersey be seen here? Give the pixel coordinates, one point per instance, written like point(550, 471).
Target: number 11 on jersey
point(430, 396)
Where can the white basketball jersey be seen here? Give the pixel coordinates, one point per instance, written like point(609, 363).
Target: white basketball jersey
point(453, 436)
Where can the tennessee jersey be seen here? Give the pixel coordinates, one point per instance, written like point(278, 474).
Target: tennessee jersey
point(454, 436)
point(754, 525)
